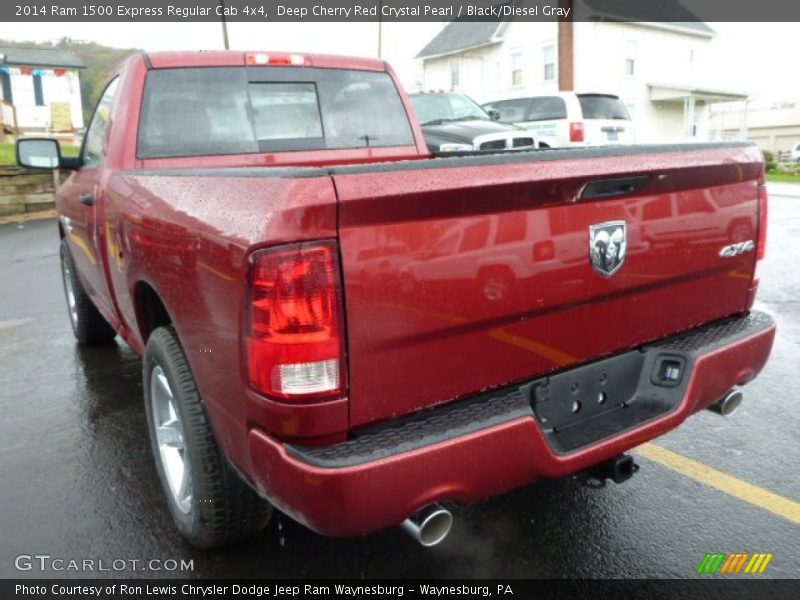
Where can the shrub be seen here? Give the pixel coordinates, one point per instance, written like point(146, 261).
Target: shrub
point(788, 168)
point(769, 160)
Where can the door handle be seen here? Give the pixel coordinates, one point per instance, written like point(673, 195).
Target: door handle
point(601, 188)
point(87, 199)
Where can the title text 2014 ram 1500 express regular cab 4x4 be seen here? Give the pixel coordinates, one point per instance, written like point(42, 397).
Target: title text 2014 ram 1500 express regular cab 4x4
point(338, 324)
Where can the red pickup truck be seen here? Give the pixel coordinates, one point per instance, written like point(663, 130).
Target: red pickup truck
point(338, 324)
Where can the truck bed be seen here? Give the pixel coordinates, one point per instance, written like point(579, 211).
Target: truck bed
point(466, 274)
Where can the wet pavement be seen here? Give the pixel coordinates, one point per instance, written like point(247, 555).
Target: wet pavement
point(78, 481)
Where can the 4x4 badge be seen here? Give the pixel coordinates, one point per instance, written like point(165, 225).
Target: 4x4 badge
point(608, 245)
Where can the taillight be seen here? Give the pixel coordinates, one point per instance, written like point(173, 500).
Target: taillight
point(544, 250)
point(293, 332)
point(576, 132)
point(277, 59)
point(763, 202)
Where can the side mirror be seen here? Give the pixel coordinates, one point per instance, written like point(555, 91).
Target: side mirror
point(38, 153)
point(494, 114)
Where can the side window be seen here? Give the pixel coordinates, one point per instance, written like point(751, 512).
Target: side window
point(455, 72)
point(547, 108)
point(94, 146)
point(549, 63)
point(516, 68)
point(446, 246)
point(692, 203)
point(38, 92)
point(630, 58)
point(659, 208)
point(5, 83)
point(512, 111)
point(475, 236)
point(511, 227)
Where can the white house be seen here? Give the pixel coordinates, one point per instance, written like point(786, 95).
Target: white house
point(39, 90)
point(661, 71)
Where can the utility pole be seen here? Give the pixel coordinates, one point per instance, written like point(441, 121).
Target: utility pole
point(224, 25)
point(380, 29)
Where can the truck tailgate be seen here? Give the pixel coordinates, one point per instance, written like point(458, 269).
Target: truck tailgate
point(465, 274)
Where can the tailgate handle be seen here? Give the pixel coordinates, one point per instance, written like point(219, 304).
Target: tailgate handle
point(601, 188)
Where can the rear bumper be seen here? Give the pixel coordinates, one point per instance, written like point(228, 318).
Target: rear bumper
point(483, 446)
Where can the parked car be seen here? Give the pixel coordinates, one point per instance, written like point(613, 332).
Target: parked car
point(796, 153)
point(337, 323)
point(454, 122)
point(568, 119)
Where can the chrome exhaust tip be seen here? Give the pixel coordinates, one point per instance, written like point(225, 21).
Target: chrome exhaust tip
point(429, 526)
point(728, 403)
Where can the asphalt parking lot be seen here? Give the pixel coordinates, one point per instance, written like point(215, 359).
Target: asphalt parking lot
point(78, 480)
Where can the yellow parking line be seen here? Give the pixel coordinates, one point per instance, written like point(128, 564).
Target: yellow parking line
point(80, 243)
point(214, 271)
point(752, 494)
point(552, 354)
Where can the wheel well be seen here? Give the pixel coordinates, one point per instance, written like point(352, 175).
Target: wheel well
point(150, 310)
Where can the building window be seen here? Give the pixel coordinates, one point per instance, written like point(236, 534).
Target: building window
point(455, 72)
point(549, 61)
point(630, 67)
point(38, 93)
point(630, 59)
point(516, 69)
point(5, 82)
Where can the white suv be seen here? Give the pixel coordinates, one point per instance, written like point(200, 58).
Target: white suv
point(796, 153)
point(566, 119)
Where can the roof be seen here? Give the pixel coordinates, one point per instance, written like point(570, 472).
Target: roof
point(459, 36)
point(39, 57)
point(668, 13)
point(671, 92)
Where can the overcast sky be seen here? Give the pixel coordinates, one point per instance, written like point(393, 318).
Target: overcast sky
point(757, 58)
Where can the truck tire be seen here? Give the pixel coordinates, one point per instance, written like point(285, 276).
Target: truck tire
point(209, 502)
point(88, 325)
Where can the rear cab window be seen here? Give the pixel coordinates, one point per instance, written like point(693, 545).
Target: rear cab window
point(241, 110)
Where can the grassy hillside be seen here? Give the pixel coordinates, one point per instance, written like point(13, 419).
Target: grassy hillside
point(99, 59)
